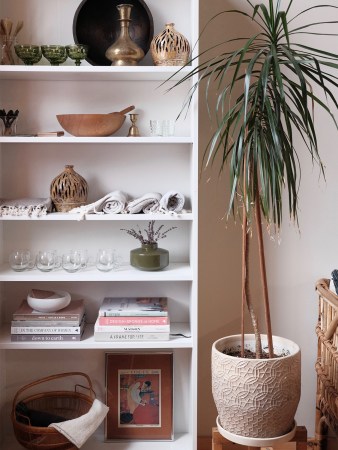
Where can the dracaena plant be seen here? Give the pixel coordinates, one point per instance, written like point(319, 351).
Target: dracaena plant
point(265, 100)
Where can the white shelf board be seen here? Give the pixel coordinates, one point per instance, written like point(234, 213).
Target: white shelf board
point(174, 272)
point(55, 217)
point(95, 140)
point(181, 441)
point(88, 342)
point(91, 73)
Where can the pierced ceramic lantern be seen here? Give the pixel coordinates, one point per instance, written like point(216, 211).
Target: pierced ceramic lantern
point(170, 48)
point(68, 190)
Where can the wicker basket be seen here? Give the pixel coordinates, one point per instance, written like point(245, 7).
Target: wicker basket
point(68, 404)
point(327, 363)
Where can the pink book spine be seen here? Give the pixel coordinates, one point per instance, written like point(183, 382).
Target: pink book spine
point(145, 320)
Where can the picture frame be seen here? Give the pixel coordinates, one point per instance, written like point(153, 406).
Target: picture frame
point(139, 394)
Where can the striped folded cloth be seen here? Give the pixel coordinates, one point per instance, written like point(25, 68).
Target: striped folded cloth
point(31, 207)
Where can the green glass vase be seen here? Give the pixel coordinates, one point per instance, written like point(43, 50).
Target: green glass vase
point(149, 257)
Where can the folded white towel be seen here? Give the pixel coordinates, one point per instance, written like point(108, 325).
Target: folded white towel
point(31, 207)
point(113, 203)
point(79, 430)
point(172, 201)
point(148, 203)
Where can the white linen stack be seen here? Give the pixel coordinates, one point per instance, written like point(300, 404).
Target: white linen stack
point(148, 203)
point(113, 203)
point(172, 201)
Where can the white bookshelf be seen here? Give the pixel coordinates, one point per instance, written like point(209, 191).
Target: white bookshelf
point(134, 165)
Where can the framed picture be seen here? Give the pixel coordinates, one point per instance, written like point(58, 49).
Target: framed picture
point(139, 389)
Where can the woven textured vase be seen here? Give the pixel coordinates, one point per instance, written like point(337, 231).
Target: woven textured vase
point(256, 398)
point(68, 190)
point(170, 48)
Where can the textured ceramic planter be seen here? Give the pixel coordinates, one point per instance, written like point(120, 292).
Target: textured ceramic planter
point(256, 398)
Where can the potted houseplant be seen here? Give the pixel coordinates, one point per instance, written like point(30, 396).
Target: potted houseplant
point(265, 96)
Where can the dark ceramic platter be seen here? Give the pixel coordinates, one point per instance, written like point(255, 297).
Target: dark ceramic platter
point(96, 24)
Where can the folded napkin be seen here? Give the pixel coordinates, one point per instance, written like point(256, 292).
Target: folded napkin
point(31, 207)
point(79, 430)
point(112, 203)
point(172, 201)
point(148, 203)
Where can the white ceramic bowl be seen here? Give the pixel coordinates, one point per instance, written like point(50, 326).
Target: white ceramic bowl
point(59, 300)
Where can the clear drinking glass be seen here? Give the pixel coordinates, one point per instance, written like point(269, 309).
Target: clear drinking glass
point(21, 260)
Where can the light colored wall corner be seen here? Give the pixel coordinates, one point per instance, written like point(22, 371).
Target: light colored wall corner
point(294, 264)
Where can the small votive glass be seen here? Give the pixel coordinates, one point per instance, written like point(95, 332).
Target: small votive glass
point(77, 52)
point(48, 260)
point(168, 127)
point(156, 128)
point(71, 261)
point(106, 260)
point(55, 54)
point(21, 260)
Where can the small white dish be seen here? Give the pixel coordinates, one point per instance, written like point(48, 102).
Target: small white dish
point(59, 300)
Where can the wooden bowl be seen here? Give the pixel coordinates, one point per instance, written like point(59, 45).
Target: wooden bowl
point(93, 124)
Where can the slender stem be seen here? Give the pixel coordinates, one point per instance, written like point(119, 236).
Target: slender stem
point(245, 253)
point(263, 275)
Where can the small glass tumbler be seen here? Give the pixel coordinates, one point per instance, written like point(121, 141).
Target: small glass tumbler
point(106, 260)
point(156, 127)
point(71, 261)
point(168, 127)
point(48, 260)
point(21, 260)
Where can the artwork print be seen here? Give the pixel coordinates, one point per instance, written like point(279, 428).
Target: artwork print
point(139, 398)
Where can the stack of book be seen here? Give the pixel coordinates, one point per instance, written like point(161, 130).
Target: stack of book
point(133, 319)
point(67, 324)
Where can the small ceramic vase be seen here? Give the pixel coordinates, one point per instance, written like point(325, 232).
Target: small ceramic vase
point(149, 257)
point(170, 48)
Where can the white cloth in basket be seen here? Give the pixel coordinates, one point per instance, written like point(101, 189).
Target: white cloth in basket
point(79, 430)
point(172, 201)
point(112, 203)
point(148, 203)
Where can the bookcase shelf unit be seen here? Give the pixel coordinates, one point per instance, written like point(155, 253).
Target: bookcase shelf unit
point(134, 165)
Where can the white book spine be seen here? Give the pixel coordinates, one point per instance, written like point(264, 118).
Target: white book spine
point(46, 330)
point(118, 337)
point(132, 328)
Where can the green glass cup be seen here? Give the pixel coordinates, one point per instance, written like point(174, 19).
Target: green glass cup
point(29, 54)
point(77, 52)
point(55, 54)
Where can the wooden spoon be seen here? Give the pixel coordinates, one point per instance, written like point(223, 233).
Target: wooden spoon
point(126, 110)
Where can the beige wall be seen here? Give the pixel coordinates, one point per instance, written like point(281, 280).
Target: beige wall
point(294, 263)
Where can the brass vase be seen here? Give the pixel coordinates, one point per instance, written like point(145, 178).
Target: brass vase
point(68, 190)
point(124, 52)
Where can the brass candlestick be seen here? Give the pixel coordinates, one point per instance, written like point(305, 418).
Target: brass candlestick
point(133, 130)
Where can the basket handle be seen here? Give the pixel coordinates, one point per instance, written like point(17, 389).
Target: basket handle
point(51, 378)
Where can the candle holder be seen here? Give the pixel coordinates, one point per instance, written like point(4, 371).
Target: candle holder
point(133, 130)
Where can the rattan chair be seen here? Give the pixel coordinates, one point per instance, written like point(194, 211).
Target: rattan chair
point(327, 364)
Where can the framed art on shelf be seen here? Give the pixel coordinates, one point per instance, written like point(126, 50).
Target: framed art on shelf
point(139, 391)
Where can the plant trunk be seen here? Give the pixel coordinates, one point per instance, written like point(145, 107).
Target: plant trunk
point(263, 276)
point(246, 296)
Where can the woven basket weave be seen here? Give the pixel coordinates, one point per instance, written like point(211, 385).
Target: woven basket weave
point(327, 361)
point(68, 404)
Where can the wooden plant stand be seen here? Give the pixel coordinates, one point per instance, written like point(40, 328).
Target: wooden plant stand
point(300, 442)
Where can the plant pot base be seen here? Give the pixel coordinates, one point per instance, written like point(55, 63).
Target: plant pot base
point(255, 442)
